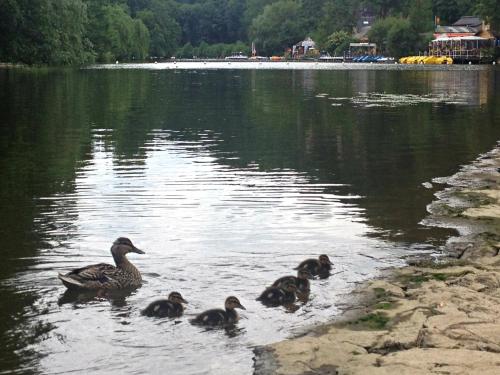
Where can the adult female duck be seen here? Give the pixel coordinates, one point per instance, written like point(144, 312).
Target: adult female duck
point(105, 276)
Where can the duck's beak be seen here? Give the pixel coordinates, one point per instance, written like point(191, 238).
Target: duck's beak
point(138, 251)
point(183, 300)
point(241, 306)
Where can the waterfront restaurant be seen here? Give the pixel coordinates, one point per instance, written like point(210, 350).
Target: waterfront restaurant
point(307, 47)
point(465, 40)
point(360, 49)
point(462, 49)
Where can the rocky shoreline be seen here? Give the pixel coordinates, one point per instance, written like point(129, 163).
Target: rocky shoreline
point(434, 316)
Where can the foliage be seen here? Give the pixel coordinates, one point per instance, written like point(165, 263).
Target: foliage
point(396, 36)
point(490, 11)
point(337, 15)
point(218, 50)
point(279, 26)
point(80, 31)
point(116, 35)
point(163, 28)
point(421, 18)
point(338, 42)
point(386, 8)
point(45, 31)
point(212, 21)
point(380, 30)
point(401, 38)
point(450, 11)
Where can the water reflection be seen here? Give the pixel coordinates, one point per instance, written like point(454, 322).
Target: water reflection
point(77, 298)
point(474, 89)
point(230, 178)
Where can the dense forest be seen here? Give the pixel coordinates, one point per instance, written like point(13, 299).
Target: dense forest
point(83, 31)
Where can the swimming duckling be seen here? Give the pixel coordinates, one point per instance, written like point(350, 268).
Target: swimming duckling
point(105, 276)
point(282, 295)
point(171, 307)
point(217, 317)
point(320, 266)
point(301, 281)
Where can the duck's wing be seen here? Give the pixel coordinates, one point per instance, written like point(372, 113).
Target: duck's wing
point(311, 265)
point(282, 280)
point(160, 308)
point(305, 264)
point(211, 317)
point(272, 296)
point(94, 276)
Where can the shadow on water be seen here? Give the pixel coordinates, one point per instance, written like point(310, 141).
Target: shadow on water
point(117, 298)
point(361, 142)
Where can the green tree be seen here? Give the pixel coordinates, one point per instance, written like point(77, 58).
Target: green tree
point(116, 35)
point(338, 42)
point(253, 9)
point(397, 37)
point(380, 30)
point(401, 38)
point(44, 31)
point(164, 30)
point(337, 15)
point(385, 8)
point(489, 10)
point(278, 27)
point(421, 17)
point(450, 11)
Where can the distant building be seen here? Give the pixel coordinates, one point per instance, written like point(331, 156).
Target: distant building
point(465, 26)
point(307, 47)
point(362, 49)
point(464, 41)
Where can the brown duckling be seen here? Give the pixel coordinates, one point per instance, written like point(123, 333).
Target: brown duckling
point(163, 308)
point(105, 276)
point(317, 267)
point(282, 295)
point(219, 317)
point(301, 281)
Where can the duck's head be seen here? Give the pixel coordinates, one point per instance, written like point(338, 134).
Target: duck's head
point(123, 245)
point(304, 274)
point(290, 286)
point(176, 297)
point(323, 259)
point(233, 303)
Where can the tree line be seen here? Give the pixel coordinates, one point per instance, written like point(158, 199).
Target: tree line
point(64, 32)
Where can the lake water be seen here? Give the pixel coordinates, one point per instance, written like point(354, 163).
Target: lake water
point(227, 178)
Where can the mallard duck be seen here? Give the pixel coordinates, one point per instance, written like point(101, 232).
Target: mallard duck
point(320, 266)
point(171, 307)
point(217, 317)
point(282, 295)
point(301, 281)
point(105, 276)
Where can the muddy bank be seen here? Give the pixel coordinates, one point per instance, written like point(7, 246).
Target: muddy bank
point(431, 317)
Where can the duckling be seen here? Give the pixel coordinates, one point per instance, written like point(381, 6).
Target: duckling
point(104, 276)
point(217, 317)
point(320, 266)
point(171, 307)
point(301, 281)
point(282, 295)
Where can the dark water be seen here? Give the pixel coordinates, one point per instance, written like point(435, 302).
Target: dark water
point(227, 179)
